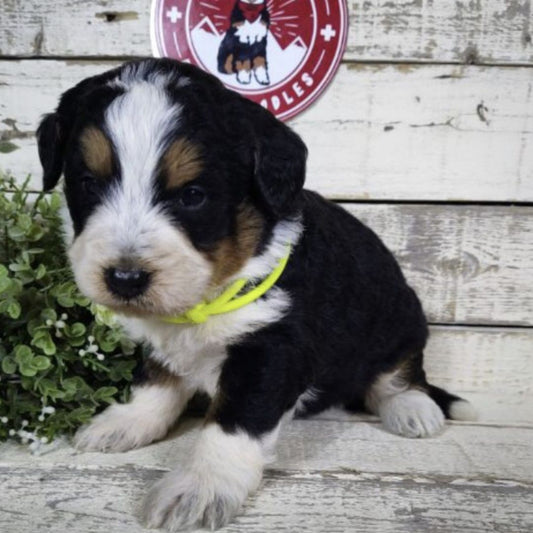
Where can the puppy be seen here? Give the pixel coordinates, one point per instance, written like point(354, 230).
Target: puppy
point(178, 191)
point(243, 49)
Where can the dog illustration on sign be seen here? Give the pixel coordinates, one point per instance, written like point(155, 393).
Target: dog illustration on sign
point(243, 49)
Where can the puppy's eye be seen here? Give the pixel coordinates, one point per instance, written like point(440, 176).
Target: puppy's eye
point(192, 196)
point(90, 186)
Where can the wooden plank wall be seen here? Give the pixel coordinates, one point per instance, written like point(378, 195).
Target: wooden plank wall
point(426, 133)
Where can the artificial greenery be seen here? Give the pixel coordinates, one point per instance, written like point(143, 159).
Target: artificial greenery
point(61, 360)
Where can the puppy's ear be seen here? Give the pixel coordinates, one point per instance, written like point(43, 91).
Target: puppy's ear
point(51, 143)
point(280, 159)
point(55, 128)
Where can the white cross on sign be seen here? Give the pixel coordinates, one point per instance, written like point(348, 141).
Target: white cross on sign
point(174, 15)
point(328, 33)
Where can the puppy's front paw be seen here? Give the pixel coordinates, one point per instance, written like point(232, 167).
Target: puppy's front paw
point(182, 500)
point(118, 429)
point(223, 470)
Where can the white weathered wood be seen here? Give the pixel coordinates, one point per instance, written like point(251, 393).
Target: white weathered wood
point(469, 264)
point(380, 132)
point(330, 476)
point(103, 500)
point(498, 31)
point(470, 451)
point(423, 133)
point(487, 360)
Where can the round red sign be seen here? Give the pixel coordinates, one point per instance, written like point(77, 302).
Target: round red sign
point(279, 53)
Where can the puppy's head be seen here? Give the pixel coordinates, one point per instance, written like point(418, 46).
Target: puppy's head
point(172, 183)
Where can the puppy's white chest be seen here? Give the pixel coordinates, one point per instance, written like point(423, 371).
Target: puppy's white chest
point(197, 352)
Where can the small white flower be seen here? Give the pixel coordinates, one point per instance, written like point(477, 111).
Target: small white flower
point(24, 423)
point(49, 322)
point(82, 352)
point(44, 440)
point(4, 420)
point(40, 418)
point(49, 409)
point(60, 324)
point(64, 316)
point(100, 356)
point(59, 334)
point(12, 432)
point(91, 339)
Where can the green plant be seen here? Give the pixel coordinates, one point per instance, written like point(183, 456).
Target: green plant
point(61, 360)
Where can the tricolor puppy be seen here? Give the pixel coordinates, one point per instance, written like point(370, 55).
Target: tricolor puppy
point(187, 217)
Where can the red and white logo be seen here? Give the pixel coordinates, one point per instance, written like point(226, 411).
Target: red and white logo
point(279, 53)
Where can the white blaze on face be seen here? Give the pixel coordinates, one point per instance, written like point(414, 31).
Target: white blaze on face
point(128, 227)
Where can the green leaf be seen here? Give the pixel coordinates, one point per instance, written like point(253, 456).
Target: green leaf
point(77, 329)
point(65, 300)
point(35, 233)
point(105, 394)
point(45, 343)
point(23, 353)
point(34, 326)
point(13, 309)
point(27, 369)
point(15, 233)
point(40, 272)
point(49, 314)
point(55, 201)
point(19, 267)
point(5, 284)
point(49, 389)
point(24, 221)
point(41, 362)
point(74, 384)
point(122, 370)
point(9, 366)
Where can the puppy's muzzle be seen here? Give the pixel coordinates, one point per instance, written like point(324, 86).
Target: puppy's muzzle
point(126, 283)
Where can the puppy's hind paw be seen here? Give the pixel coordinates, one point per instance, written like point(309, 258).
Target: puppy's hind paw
point(411, 414)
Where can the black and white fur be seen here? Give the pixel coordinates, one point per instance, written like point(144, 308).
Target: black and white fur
point(341, 327)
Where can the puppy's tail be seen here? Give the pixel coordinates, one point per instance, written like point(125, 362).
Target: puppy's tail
point(452, 406)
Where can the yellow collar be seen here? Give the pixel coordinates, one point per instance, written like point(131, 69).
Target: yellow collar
point(228, 300)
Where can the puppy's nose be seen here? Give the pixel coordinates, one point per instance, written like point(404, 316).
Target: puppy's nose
point(126, 283)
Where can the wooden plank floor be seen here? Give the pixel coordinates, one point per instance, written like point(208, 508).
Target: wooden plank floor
point(334, 473)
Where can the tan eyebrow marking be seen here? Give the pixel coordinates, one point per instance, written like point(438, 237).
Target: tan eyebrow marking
point(97, 152)
point(182, 163)
point(232, 252)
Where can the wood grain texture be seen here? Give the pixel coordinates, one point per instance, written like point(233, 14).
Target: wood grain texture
point(498, 31)
point(489, 360)
point(334, 445)
point(469, 264)
point(380, 132)
point(103, 500)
